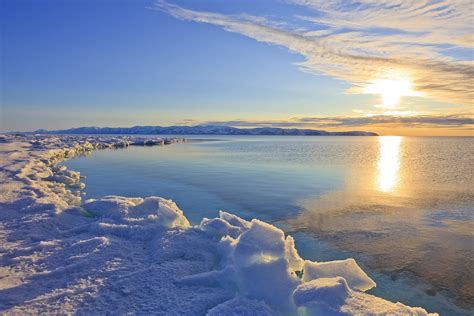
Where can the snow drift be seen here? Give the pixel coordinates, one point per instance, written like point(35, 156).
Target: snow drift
point(60, 254)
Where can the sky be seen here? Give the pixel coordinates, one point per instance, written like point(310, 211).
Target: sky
point(395, 67)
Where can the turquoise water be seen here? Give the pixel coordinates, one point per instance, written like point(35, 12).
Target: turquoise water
point(402, 206)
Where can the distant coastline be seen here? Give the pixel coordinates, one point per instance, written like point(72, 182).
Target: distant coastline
point(202, 130)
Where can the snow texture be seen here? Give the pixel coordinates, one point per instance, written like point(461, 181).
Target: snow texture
point(62, 255)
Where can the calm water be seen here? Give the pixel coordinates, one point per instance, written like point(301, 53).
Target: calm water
point(402, 206)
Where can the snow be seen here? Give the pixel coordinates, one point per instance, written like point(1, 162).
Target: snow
point(241, 306)
point(153, 209)
point(60, 254)
point(328, 292)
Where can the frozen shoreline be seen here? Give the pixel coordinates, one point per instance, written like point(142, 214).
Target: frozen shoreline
point(61, 255)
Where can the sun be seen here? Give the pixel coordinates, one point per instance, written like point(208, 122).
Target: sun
point(391, 88)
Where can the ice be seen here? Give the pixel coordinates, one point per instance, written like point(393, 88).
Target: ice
point(295, 262)
point(219, 227)
point(165, 212)
point(240, 306)
point(258, 262)
point(348, 269)
point(326, 293)
point(261, 243)
point(261, 265)
point(62, 255)
point(234, 220)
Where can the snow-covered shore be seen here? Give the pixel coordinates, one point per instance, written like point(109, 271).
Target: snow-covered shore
point(59, 254)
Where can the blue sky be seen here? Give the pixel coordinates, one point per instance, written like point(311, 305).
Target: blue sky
point(123, 63)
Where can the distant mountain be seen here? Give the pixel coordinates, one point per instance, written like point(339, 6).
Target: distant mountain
point(202, 130)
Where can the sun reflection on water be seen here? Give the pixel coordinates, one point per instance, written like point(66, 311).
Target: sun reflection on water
point(388, 163)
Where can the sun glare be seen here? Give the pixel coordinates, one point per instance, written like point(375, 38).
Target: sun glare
point(389, 162)
point(392, 89)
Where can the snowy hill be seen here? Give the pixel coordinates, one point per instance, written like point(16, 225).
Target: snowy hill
point(203, 130)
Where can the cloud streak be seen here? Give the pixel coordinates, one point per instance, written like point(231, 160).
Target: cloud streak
point(360, 41)
point(464, 121)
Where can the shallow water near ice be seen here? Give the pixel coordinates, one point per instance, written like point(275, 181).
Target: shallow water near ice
point(402, 206)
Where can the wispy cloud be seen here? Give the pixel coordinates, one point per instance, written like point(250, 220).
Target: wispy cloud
point(465, 121)
point(434, 22)
point(359, 41)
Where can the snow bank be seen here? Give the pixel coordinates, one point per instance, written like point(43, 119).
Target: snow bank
point(152, 209)
point(30, 171)
point(60, 254)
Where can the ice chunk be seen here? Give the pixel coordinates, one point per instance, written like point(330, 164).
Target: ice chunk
point(365, 304)
point(270, 281)
point(348, 269)
point(225, 224)
point(294, 260)
point(262, 242)
point(234, 220)
point(330, 291)
point(167, 212)
point(240, 306)
point(219, 227)
point(262, 269)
